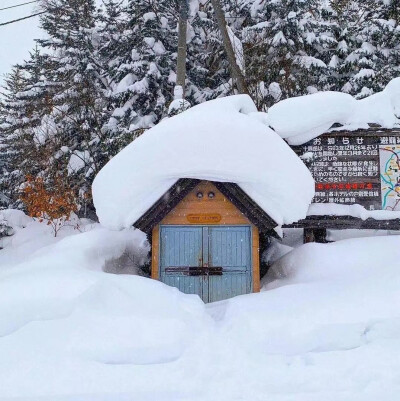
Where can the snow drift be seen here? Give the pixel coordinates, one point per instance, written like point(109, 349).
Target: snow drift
point(326, 326)
point(218, 140)
point(303, 118)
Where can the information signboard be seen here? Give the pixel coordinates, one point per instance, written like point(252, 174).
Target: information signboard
point(359, 167)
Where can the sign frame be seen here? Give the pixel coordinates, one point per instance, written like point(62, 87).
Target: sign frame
point(372, 137)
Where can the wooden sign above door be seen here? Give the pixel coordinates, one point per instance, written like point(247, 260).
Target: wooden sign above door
point(204, 218)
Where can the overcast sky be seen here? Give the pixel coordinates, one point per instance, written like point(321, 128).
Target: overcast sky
point(16, 40)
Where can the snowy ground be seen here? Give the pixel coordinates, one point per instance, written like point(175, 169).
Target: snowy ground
point(327, 326)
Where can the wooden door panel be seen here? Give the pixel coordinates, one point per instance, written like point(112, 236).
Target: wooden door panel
point(180, 258)
point(230, 249)
point(211, 261)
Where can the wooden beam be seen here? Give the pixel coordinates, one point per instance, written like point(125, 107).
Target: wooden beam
point(155, 249)
point(256, 259)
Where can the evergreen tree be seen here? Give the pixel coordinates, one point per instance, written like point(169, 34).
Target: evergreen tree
point(5, 229)
point(368, 52)
point(78, 105)
point(14, 83)
point(287, 48)
point(143, 72)
point(208, 73)
point(114, 37)
point(27, 101)
point(143, 69)
point(4, 201)
point(103, 76)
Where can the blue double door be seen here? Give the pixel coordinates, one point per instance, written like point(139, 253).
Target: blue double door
point(213, 262)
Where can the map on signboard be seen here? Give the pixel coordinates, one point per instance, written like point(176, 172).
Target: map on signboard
point(390, 176)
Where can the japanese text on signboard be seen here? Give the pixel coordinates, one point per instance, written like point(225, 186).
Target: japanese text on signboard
point(355, 169)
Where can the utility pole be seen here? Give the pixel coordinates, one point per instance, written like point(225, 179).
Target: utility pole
point(237, 74)
point(179, 92)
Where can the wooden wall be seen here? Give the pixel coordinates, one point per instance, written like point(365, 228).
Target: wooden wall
point(191, 205)
point(217, 211)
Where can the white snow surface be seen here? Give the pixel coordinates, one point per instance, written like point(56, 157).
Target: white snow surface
point(326, 326)
point(15, 218)
point(359, 211)
point(220, 140)
point(303, 118)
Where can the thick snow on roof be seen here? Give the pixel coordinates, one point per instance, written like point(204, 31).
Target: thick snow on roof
point(303, 118)
point(220, 140)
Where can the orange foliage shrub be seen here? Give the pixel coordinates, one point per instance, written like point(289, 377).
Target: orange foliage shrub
point(53, 205)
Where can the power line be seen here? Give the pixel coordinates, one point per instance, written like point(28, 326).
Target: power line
point(21, 19)
point(19, 5)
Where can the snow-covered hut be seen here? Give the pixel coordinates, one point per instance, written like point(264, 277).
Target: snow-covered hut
point(205, 186)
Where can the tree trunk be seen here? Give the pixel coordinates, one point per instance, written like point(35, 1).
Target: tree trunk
point(237, 74)
point(182, 49)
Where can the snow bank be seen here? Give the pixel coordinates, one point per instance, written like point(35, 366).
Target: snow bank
point(335, 306)
point(303, 118)
point(58, 308)
point(15, 218)
point(218, 140)
point(326, 327)
point(346, 261)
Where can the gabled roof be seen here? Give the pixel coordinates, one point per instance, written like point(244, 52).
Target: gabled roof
point(177, 192)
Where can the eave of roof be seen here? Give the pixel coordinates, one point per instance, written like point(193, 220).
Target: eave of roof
point(182, 187)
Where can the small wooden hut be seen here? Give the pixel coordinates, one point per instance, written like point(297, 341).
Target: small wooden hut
point(206, 239)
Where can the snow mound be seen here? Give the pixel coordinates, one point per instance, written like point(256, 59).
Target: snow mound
point(303, 118)
point(219, 140)
point(346, 261)
point(15, 218)
point(330, 302)
point(57, 308)
point(326, 327)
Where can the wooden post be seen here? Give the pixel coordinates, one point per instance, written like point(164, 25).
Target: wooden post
point(182, 50)
point(308, 235)
point(237, 74)
point(314, 235)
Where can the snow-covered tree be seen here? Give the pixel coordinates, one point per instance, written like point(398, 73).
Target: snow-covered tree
point(287, 48)
point(143, 70)
point(368, 52)
point(208, 73)
point(4, 201)
point(78, 106)
point(26, 101)
point(9, 115)
point(5, 229)
point(104, 75)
